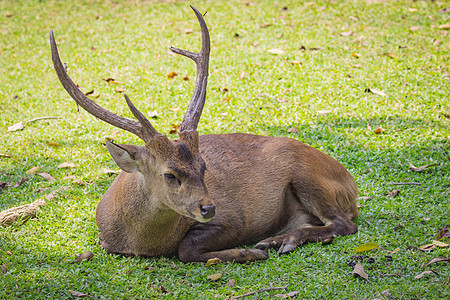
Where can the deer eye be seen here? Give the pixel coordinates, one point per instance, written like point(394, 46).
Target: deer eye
point(169, 176)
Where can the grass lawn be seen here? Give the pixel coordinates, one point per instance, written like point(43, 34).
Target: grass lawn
point(366, 82)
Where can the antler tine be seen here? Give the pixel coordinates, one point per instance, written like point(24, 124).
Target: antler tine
point(144, 129)
point(194, 110)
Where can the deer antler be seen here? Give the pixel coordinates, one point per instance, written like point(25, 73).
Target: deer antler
point(142, 129)
point(194, 110)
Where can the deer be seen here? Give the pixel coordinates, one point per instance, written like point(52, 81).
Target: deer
point(202, 197)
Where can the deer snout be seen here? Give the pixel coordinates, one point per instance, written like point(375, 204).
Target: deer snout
point(208, 211)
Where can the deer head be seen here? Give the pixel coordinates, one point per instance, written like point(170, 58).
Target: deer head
point(172, 171)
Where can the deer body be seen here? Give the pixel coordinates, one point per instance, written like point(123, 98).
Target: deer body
point(200, 196)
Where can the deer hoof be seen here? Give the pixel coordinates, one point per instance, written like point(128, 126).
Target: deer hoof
point(286, 248)
point(262, 246)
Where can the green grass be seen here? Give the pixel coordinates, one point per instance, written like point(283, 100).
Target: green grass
point(128, 41)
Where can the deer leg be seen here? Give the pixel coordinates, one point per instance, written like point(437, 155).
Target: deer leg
point(203, 243)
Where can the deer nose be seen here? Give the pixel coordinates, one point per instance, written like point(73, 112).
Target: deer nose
point(208, 211)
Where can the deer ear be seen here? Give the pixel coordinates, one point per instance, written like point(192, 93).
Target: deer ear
point(126, 156)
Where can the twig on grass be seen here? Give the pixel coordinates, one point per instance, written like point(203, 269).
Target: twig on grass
point(260, 291)
point(41, 118)
point(404, 183)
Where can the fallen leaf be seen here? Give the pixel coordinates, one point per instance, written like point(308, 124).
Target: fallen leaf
point(437, 42)
point(242, 75)
point(358, 270)
point(445, 10)
point(444, 26)
point(20, 182)
point(83, 256)
point(224, 100)
point(188, 31)
point(109, 171)
point(5, 155)
point(153, 114)
point(54, 144)
point(324, 112)
point(265, 25)
point(310, 3)
point(419, 169)
point(287, 295)
point(364, 198)
point(41, 118)
point(413, 9)
point(414, 28)
point(66, 165)
point(78, 294)
point(379, 130)
point(282, 100)
point(440, 244)
point(437, 259)
point(224, 114)
point(423, 274)
point(8, 14)
point(427, 248)
point(366, 247)
point(293, 130)
point(175, 109)
point(212, 261)
point(33, 170)
point(112, 80)
point(47, 176)
point(276, 51)
point(231, 283)
point(3, 268)
point(353, 18)
point(356, 55)
point(394, 193)
point(296, 62)
point(120, 90)
point(347, 33)
point(89, 93)
point(186, 78)
point(391, 55)
point(443, 233)
point(174, 129)
point(375, 91)
point(15, 127)
point(214, 277)
point(171, 75)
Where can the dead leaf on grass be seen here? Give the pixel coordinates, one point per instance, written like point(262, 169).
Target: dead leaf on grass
point(78, 294)
point(110, 171)
point(16, 127)
point(120, 90)
point(175, 128)
point(171, 75)
point(287, 295)
point(414, 28)
point(443, 233)
point(440, 244)
point(375, 91)
point(293, 130)
point(427, 248)
point(214, 277)
point(419, 169)
point(437, 259)
point(153, 114)
point(46, 176)
point(423, 274)
point(347, 33)
point(112, 80)
point(212, 261)
point(379, 130)
point(33, 170)
point(20, 182)
point(83, 256)
point(366, 247)
point(3, 268)
point(66, 165)
point(356, 55)
point(231, 283)
point(444, 26)
point(5, 155)
point(391, 55)
point(54, 144)
point(358, 270)
point(324, 112)
point(276, 51)
point(175, 109)
point(394, 193)
point(364, 198)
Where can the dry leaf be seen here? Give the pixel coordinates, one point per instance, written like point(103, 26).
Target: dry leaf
point(83, 256)
point(224, 114)
point(120, 90)
point(375, 91)
point(212, 261)
point(356, 55)
point(66, 165)
point(54, 144)
point(188, 31)
point(427, 248)
point(174, 129)
point(414, 28)
point(444, 26)
point(394, 193)
point(287, 295)
point(358, 270)
point(214, 277)
point(231, 283)
point(395, 251)
point(3, 268)
point(47, 176)
point(112, 80)
point(171, 75)
point(109, 171)
point(78, 294)
point(186, 78)
point(423, 274)
point(443, 233)
point(419, 169)
point(33, 170)
point(293, 130)
point(89, 93)
point(347, 33)
point(175, 109)
point(366, 247)
point(282, 100)
point(436, 260)
point(21, 181)
point(265, 25)
point(276, 51)
point(413, 9)
point(364, 198)
point(153, 114)
point(440, 244)
point(324, 112)
point(379, 130)
point(353, 18)
point(5, 155)
point(15, 127)
point(224, 100)
point(242, 75)
point(391, 55)
point(296, 62)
